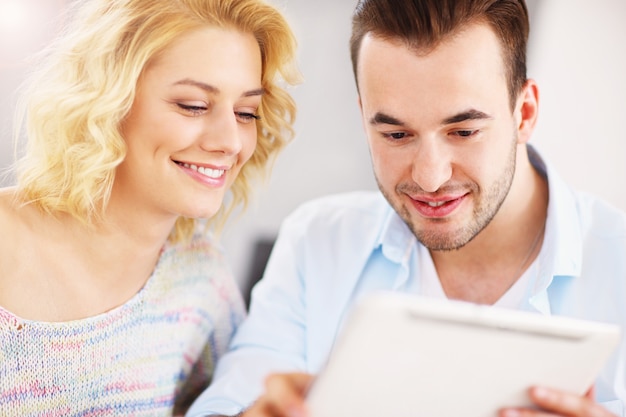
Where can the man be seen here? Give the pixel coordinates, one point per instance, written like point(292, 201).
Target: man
point(466, 210)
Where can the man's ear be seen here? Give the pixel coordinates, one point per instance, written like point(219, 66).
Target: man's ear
point(526, 111)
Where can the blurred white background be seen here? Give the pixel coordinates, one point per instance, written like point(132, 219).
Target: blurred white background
point(25, 27)
point(577, 54)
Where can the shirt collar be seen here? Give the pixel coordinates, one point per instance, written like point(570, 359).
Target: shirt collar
point(561, 253)
point(396, 242)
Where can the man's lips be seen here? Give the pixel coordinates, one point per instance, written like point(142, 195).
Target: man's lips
point(437, 208)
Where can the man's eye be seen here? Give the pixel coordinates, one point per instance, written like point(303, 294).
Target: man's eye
point(247, 117)
point(395, 135)
point(466, 133)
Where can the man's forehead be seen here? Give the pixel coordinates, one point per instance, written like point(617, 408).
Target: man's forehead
point(475, 49)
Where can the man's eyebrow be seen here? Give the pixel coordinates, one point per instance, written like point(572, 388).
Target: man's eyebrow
point(214, 90)
point(384, 119)
point(471, 114)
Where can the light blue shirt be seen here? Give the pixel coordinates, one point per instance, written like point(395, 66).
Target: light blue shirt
point(335, 249)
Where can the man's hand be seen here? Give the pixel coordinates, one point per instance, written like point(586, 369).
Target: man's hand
point(285, 393)
point(555, 403)
point(284, 397)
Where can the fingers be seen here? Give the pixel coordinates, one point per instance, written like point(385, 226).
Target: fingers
point(567, 404)
point(287, 392)
point(284, 397)
point(558, 403)
point(591, 394)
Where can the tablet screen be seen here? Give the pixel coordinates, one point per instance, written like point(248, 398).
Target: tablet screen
point(403, 355)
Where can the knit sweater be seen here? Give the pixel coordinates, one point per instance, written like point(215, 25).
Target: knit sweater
point(140, 359)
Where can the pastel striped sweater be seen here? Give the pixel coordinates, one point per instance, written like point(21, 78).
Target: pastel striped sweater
point(139, 359)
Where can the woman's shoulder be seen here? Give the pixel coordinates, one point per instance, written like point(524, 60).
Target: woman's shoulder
point(8, 202)
point(14, 249)
point(15, 215)
point(12, 222)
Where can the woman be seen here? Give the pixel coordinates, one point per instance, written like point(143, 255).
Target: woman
point(146, 115)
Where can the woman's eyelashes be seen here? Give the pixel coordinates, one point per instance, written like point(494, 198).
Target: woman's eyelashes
point(199, 109)
point(247, 117)
point(194, 109)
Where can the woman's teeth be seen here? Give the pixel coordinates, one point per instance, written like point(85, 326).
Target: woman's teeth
point(211, 173)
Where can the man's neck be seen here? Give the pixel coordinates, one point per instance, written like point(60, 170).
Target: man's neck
point(485, 268)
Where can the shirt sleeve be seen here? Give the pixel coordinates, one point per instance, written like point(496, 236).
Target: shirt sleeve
point(271, 339)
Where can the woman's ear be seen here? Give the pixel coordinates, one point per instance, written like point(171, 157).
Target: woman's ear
point(526, 111)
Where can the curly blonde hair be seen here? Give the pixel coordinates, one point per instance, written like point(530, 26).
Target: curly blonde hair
point(85, 87)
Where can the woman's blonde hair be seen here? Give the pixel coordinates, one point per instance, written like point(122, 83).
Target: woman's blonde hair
point(77, 100)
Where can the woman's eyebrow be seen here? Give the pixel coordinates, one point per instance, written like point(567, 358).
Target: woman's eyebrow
point(214, 90)
point(204, 86)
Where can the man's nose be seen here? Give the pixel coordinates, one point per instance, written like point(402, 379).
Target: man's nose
point(431, 164)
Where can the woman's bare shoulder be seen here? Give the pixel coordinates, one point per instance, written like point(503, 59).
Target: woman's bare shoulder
point(16, 221)
point(8, 207)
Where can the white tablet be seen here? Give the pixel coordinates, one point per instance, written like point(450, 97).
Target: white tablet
point(401, 355)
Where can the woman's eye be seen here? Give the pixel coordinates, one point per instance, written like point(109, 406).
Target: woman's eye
point(191, 108)
point(246, 117)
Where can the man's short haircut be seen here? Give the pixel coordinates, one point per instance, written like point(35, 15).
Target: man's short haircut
point(423, 24)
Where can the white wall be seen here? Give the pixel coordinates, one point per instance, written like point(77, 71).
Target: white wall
point(577, 54)
point(25, 26)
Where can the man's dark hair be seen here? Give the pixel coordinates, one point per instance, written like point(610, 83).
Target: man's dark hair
point(424, 24)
